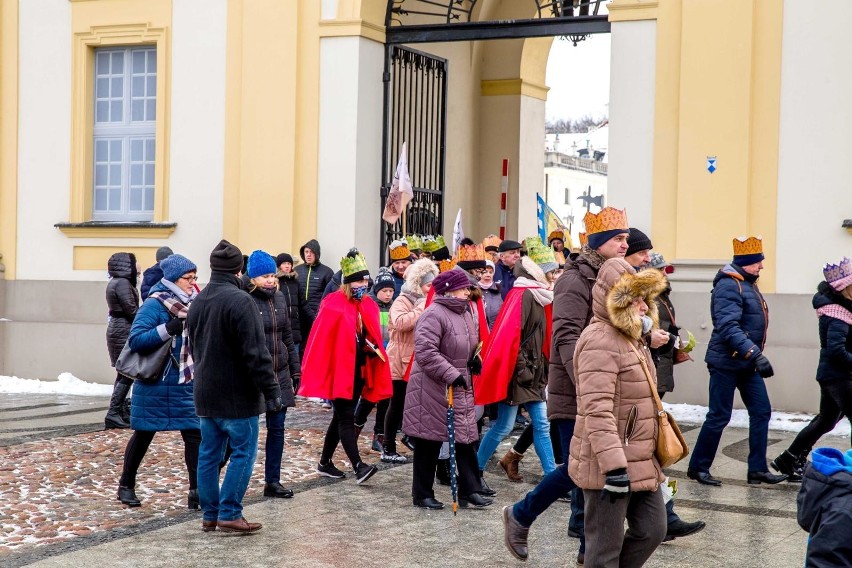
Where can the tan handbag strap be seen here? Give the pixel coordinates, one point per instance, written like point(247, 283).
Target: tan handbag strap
point(643, 362)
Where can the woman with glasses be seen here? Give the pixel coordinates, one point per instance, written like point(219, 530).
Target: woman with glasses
point(166, 404)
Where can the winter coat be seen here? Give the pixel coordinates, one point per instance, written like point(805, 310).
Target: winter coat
point(835, 339)
point(279, 340)
point(289, 285)
point(740, 319)
point(444, 340)
point(164, 405)
point(398, 282)
point(233, 368)
point(616, 415)
point(825, 508)
point(150, 277)
point(526, 386)
point(122, 300)
point(384, 317)
point(404, 313)
point(572, 311)
point(312, 282)
point(493, 300)
point(664, 356)
point(505, 277)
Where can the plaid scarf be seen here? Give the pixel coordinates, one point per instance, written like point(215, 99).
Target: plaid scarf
point(179, 310)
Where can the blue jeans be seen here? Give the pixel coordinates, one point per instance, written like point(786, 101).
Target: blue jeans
point(225, 503)
point(553, 486)
point(274, 446)
point(753, 392)
point(506, 414)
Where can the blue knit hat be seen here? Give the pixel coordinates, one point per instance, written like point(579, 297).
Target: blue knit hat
point(384, 279)
point(260, 263)
point(176, 266)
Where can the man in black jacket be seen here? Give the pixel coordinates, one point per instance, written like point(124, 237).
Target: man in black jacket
point(233, 375)
point(313, 277)
point(153, 274)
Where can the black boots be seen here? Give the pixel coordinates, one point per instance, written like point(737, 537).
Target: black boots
point(127, 495)
point(192, 500)
point(790, 465)
point(115, 416)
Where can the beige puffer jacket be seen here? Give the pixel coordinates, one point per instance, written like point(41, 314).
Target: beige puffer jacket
point(404, 312)
point(616, 417)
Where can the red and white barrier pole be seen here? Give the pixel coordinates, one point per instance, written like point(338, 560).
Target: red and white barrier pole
point(504, 188)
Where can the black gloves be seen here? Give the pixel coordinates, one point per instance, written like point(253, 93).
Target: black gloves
point(475, 366)
point(174, 326)
point(764, 368)
point(616, 486)
point(274, 404)
point(460, 383)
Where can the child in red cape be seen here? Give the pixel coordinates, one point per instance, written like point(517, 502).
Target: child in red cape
point(344, 359)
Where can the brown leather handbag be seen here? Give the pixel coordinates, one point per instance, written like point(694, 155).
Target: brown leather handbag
point(671, 447)
point(678, 355)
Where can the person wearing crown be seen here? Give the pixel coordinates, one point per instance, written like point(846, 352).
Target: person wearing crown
point(415, 245)
point(607, 234)
point(833, 305)
point(515, 355)
point(491, 244)
point(400, 257)
point(736, 361)
point(345, 358)
point(556, 240)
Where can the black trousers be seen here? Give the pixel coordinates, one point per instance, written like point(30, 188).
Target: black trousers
point(137, 447)
point(341, 430)
point(365, 407)
point(835, 401)
point(426, 454)
point(393, 417)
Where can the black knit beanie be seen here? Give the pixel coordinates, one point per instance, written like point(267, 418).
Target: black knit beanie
point(637, 241)
point(226, 258)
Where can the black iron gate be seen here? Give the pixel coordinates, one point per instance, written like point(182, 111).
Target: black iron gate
point(415, 112)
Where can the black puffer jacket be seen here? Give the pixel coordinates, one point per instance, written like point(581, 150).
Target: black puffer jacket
point(312, 282)
point(122, 301)
point(835, 339)
point(664, 356)
point(825, 508)
point(279, 340)
point(295, 303)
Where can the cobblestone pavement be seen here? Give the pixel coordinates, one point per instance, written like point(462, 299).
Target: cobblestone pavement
point(59, 472)
point(56, 487)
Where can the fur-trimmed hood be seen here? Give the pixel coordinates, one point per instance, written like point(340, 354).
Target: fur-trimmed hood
point(529, 269)
point(414, 275)
point(617, 286)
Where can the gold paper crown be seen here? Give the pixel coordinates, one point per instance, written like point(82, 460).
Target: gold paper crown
point(751, 245)
point(608, 219)
point(431, 244)
point(584, 240)
point(446, 265)
point(414, 242)
point(350, 265)
point(470, 253)
point(538, 252)
point(491, 241)
point(556, 234)
point(399, 251)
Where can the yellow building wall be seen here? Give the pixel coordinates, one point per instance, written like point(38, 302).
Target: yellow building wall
point(716, 95)
point(8, 136)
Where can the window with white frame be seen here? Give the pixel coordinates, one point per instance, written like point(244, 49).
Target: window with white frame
point(124, 134)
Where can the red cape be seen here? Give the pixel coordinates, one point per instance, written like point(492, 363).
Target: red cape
point(483, 327)
point(500, 352)
point(328, 369)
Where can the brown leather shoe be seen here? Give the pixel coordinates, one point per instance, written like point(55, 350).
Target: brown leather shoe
point(510, 462)
point(514, 535)
point(241, 526)
point(208, 526)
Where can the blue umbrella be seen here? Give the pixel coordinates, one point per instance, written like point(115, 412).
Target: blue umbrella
point(451, 431)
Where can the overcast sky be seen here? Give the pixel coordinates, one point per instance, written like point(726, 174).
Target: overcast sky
point(578, 78)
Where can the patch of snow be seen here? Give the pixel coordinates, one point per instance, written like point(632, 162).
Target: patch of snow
point(66, 383)
point(783, 421)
